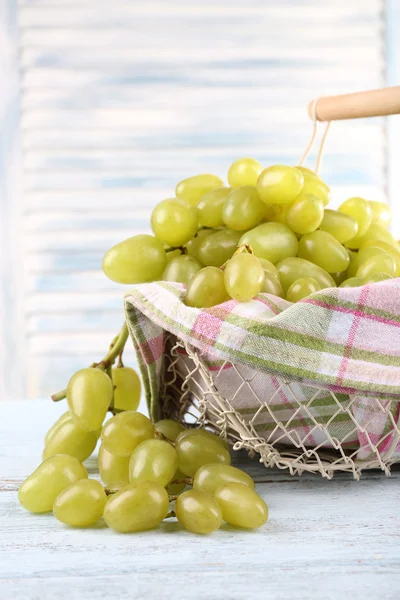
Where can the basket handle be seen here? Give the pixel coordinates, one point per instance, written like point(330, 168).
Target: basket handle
point(374, 103)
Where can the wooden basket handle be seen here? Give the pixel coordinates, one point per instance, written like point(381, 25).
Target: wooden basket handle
point(374, 103)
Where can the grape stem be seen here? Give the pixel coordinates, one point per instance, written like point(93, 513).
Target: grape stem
point(186, 481)
point(170, 514)
point(110, 492)
point(173, 497)
point(116, 348)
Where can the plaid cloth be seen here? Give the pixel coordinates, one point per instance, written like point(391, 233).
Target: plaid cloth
point(345, 340)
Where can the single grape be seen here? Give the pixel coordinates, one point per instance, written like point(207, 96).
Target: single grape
point(80, 504)
point(392, 249)
point(305, 214)
point(125, 431)
point(381, 213)
point(380, 263)
point(291, 269)
point(324, 250)
point(244, 171)
point(192, 247)
point(39, 491)
point(174, 222)
point(280, 184)
point(378, 277)
point(169, 428)
point(215, 249)
point(198, 512)
point(171, 254)
point(269, 267)
point(353, 282)
point(210, 477)
point(127, 388)
point(276, 213)
point(209, 208)
point(193, 188)
point(360, 210)
point(206, 288)
point(343, 227)
point(374, 233)
point(208, 434)
point(243, 209)
point(181, 269)
point(243, 277)
point(302, 288)
point(64, 417)
point(153, 460)
point(273, 241)
point(114, 470)
point(136, 260)
point(314, 185)
point(194, 451)
point(70, 439)
point(362, 256)
point(272, 285)
point(241, 506)
point(89, 394)
point(137, 507)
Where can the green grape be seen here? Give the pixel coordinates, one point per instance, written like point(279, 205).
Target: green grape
point(171, 254)
point(343, 227)
point(360, 210)
point(209, 208)
point(338, 278)
point(39, 491)
point(273, 241)
point(378, 277)
point(137, 507)
point(208, 434)
point(210, 477)
point(272, 285)
point(169, 428)
point(302, 288)
point(314, 185)
point(276, 212)
point(280, 184)
point(206, 288)
point(176, 488)
point(198, 512)
point(241, 506)
point(243, 277)
point(127, 388)
point(381, 213)
point(380, 263)
point(153, 460)
point(194, 451)
point(80, 504)
point(215, 249)
point(174, 222)
point(125, 431)
point(181, 269)
point(392, 249)
point(243, 208)
point(89, 394)
point(324, 250)
point(192, 247)
point(353, 282)
point(192, 189)
point(305, 214)
point(114, 470)
point(291, 269)
point(244, 171)
point(64, 417)
point(361, 256)
point(136, 260)
point(70, 439)
point(374, 233)
point(269, 267)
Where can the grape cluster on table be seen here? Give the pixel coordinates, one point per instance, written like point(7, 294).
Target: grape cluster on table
point(144, 466)
point(268, 231)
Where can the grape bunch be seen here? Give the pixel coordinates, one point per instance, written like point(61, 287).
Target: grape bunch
point(268, 231)
point(144, 467)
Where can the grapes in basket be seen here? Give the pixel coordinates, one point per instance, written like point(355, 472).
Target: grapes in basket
point(263, 231)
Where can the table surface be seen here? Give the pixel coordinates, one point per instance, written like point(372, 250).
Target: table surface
point(325, 539)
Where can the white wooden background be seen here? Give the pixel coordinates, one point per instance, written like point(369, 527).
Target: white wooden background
point(119, 100)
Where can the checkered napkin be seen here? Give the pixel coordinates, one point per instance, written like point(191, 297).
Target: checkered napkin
point(343, 340)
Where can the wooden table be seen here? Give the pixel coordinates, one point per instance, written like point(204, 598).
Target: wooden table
point(325, 539)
